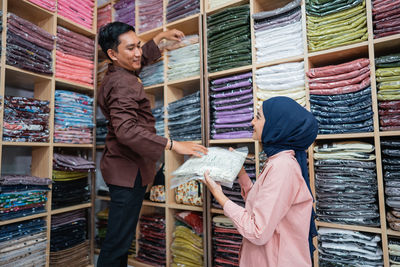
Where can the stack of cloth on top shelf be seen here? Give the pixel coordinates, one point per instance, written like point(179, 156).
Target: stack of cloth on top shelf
point(104, 16)
point(69, 245)
point(178, 9)
point(184, 118)
point(285, 79)
point(70, 180)
point(150, 14)
point(73, 118)
point(345, 183)
point(28, 46)
point(229, 39)
point(23, 244)
point(153, 74)
point(335, 23)
point(279, 33)
point(386, 17)
point(340, 97)
point(46, 4)
point(79, 11)
point(226, 242)
point(25, 119)
point(388, 84)
point(158, 114)
point(231, 107)
point(152, 249)
point(74, 57)
point(125, 11)
point(22, 195)
point(235, 193)
point(183, 58)
point(391, 175)
point(337, 247)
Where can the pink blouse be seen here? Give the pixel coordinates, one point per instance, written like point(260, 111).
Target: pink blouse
point(276, 219)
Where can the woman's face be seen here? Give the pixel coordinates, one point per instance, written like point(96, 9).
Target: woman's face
point(258, 124)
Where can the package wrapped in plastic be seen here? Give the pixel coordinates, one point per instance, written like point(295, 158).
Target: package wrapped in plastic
point(224, 165)
point(125, 11)
point(152, 74)
point(150, 14)
point(177, 9)
point(81, 11)
point(184, 62)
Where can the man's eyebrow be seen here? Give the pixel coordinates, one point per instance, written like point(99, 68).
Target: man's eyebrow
point(133, 44)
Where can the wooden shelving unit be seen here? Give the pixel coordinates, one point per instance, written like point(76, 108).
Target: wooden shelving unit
point(43, 87)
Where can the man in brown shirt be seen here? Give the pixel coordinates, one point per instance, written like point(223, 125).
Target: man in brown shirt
point(132, 146)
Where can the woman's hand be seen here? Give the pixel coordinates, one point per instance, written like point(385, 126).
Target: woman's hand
point(215, 189)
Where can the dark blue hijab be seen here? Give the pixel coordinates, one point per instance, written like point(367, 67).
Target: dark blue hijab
point(289, 126)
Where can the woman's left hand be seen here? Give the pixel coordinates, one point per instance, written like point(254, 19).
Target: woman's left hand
point(215, 189)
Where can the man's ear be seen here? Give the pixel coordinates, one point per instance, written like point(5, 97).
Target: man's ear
point(111, 54)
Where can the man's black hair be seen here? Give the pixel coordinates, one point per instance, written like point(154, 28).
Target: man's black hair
point(109, 35)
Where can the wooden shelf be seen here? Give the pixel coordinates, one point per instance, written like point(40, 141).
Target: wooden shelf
point(393, 233)
point(349, 227)
point(68, 85)
point(31, 12)
point(136, 263)
point(29, 144)
point(154, 89)
point(153, 204)
point(147, 36)
point(218, 74)
point(105, 198)
point(280, 61)
point(75, 27)
point(184, 207)
point(232, 141)
point(71, 208)
point(31, 6)
point(187, 22)
point(22, 219)
point(230, 4)
point(217, 211)
point(186, 82)
point(103, 5)
point(22, 78)
point(73, 145)
point(384, 44)
point(390, 133)
point(344, 136)
point(100, 146)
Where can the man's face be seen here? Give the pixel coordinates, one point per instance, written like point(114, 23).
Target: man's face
point(129, 52)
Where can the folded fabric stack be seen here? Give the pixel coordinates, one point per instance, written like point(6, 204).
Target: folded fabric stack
point(337, 247)
point(229, 39)
point(74, 57)
point(73, 118)
point(279, 33)
point(217, 3)
point(386, 17)
point(79, 11)
point(391, 175)
point(187, 245)
point(184, 61)
point(28, 46)
point(285, 79)
point(25, 119)
point(150, 14)
point(70, 186)
point(153, 74)
point(394, 252)
point(346, 186)
point(158, 114)
point(178, 9)
point(104, 16)
point(46, 4)
point(340, 97)
point(102, 68)
point(22, 196)
point(69, 245)
point(125, 11)
point(232, 107)
point(184, 118)
point(335, 23)
point(388, 84)
point(152, 249)
point(226, 242)
point(235, 193)
point(101, 131)
point(23, 244)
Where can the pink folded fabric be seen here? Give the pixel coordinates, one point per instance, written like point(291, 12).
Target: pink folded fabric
point(331, 85)
point(80, 11)
point(103, 16)
point(339, 77)
point(46, 4)
point(343, 90)
point(338, 69)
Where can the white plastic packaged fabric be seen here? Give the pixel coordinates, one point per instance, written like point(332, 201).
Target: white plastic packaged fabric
point(224, 166)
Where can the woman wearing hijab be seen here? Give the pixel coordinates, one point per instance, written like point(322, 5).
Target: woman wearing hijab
point(277, 222)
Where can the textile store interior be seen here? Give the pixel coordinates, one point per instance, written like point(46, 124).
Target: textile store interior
point(340, 60)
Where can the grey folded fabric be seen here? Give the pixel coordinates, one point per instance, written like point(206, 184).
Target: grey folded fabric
point(286, 8)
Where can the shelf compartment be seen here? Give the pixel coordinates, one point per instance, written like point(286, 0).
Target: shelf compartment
point(389, 133)
point(147, 36)
point(154, 88)
point(186, 82)
point(280, 61)
point(217, 211)
point(22, 78)
point(229, 4)
point(223, 73)
point(75, 27)
point(349, 227)
point(104, 198)
point(73, 145)
point(344, 136)
point(392, 232)
point(71, 208)
point(70, 85)
point(187, 23)
point(100, 146)
point(388, 42)
point(153, 204)
point(22, 219)
point(184, 207)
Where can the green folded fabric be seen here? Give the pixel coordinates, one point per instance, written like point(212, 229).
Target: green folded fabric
point(339, 25)
point(387, 78)
point(326, 34)
point(345, 39)
point(337, 16)
point(331, 7)
point(389, 85)
point(388, 72)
